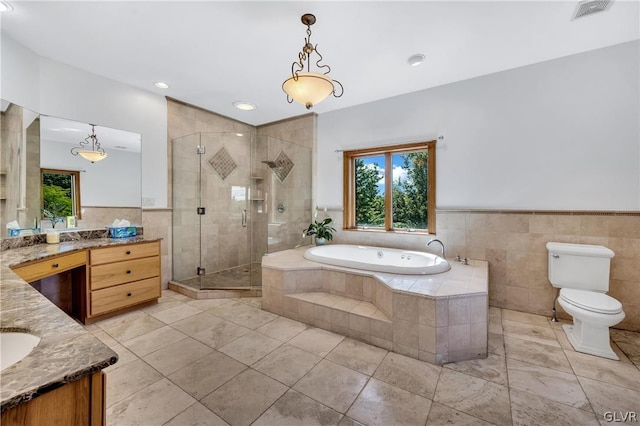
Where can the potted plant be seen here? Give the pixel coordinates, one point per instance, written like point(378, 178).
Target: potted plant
point(322, 230)
point(54, 214)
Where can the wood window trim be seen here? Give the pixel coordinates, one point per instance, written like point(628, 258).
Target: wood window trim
point(76, 188)
point(348, 167)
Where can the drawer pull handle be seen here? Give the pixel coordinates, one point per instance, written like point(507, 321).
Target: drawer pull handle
point(55, 265)
point(128, 294)
point(128, 251)
point(128, 271)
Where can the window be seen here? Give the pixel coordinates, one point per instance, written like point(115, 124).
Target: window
point(61, 192)
point(390, 188)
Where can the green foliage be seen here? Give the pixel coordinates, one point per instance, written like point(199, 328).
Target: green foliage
point(369, 204)
point(409, 196)
point(57, 203)
point(56, 196)
point(62, 180)
point(321, 229)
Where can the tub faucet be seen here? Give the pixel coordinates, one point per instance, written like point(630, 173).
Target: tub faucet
point(437, 241)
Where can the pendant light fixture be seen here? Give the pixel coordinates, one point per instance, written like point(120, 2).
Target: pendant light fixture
point(96, 153)
point(306, 87)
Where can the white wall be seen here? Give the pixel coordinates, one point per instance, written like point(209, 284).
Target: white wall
point(55, 89)
point(558, 135)
point(101, 185)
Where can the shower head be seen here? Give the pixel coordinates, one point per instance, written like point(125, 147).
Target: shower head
point(271, 164)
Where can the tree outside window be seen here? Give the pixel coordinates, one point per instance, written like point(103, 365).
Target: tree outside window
point(391, 188)
point(60, 192)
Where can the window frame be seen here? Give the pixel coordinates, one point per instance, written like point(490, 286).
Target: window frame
point(76, 190)
point(349, 183)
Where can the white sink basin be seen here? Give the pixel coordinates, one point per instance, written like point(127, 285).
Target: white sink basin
point(14, 346)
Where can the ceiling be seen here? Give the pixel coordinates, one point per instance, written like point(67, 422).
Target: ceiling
point(72, 132)
point(213, 53)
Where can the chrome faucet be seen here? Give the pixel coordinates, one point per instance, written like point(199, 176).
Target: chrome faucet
point(437, 241)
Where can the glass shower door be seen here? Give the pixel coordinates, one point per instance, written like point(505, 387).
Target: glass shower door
point(225, 231)
point(186, 200)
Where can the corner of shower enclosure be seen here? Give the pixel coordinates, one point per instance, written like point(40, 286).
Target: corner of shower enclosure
point(235, 198)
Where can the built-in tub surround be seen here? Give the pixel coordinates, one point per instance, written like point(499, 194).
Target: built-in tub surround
point(436, 318)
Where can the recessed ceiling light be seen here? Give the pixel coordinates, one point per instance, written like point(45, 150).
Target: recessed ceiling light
point(5, 6)
point(416, 59)
point(239, 134)
point(161, 85)
point(244, 106)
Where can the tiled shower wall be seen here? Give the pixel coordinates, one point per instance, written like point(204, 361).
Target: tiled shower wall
point(301, 130)
point(294, 137)
point(514, 244)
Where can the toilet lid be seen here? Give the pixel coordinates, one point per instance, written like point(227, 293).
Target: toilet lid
point(591, 301)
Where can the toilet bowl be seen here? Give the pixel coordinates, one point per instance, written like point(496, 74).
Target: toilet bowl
point(581, 273)
point(593, 313)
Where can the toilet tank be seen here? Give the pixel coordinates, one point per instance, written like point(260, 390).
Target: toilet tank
point(579, 266)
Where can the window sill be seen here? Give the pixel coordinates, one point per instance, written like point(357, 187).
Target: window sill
point(394, 231)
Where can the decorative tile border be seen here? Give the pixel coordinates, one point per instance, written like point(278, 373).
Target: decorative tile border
point(545, 212)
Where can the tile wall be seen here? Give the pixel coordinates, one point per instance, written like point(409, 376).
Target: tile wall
point(99, 217)
point(515, 246)
point(32, 161)
point(157, 224)
point(301, 129)
point(11, 131)
point(295, 137)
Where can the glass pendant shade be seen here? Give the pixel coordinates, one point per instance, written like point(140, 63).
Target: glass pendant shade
point(308, 88)
point(96, 153)
point(93, 156)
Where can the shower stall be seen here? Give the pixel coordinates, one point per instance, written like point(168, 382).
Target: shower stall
point(236, 198)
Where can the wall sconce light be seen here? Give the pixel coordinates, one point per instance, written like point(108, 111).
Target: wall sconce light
point(96, 153)
point(310, 88)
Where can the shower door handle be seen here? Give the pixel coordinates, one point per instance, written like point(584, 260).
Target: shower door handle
point(244, 218)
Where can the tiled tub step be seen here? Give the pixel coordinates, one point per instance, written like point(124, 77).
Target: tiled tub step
point(350, 317)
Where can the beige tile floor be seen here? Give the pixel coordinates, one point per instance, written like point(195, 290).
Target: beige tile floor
point(225, 361)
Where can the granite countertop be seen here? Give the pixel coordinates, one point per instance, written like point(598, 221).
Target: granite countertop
point(66, 351)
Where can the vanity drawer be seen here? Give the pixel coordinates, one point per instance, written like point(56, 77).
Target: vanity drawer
point(51, 266)
point(121, 296)
point(124, 252)
point(122, 272)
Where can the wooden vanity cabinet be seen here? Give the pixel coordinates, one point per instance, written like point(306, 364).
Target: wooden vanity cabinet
point(61, 279)
point(103, 280)
point(122, 276)
point(79, 403)
point(34, 271)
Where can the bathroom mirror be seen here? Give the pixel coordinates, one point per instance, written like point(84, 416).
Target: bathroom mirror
point(106, 189)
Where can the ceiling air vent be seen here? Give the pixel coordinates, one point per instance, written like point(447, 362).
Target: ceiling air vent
point(588, 7)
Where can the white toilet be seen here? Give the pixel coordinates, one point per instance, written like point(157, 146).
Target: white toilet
point(581, 272)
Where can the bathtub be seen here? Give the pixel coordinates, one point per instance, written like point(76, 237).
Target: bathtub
point(378, 259)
